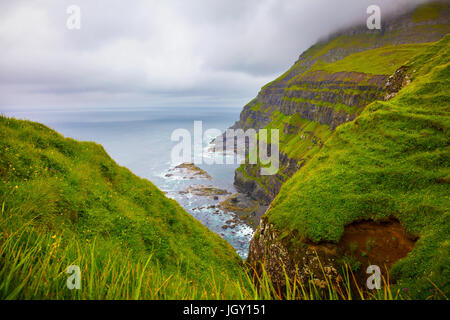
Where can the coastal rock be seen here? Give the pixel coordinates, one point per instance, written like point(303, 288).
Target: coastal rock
point(247, 209)
point(205, 191)
point(187, 171)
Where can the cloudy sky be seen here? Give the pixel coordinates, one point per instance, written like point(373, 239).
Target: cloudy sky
point(132, 54)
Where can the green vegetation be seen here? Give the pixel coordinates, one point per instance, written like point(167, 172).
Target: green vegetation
point(335, 106)
point(60, 196)
point(67, 203)
point(391, 161)
point(302, 143)
point(340, 75)
point(381, 61)
point(428, 12)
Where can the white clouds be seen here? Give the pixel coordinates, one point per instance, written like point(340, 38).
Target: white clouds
point(171, 52)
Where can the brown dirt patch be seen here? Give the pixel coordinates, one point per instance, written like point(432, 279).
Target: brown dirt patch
point(376, 243)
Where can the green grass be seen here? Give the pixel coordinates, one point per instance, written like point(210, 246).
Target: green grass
point(54, 186)
point(297, 145)
point(428, 12)
point(67, 203)
point(359, 56)
point(391, 161)
point(34, 264)
point(381, 61)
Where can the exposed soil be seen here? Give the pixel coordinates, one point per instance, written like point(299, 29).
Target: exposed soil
point(376, 243)
point(363, 243)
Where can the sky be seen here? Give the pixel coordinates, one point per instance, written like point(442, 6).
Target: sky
point(146, 53)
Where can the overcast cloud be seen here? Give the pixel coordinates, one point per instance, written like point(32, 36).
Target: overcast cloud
point(159, 53)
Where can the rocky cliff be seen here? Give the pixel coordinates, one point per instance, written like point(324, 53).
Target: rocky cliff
point(363, 119)
point(325, 89)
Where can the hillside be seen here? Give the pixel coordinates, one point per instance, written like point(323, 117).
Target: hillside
point(329, 85)
point(363, 121)
point(68, 203)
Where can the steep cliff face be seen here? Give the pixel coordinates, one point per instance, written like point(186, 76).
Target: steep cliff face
point(377, 191)
point(329, 85)
point(363, 121)
point(379, 243)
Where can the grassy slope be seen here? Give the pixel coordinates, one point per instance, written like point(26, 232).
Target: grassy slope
point(60, 196)
point(391, 161)
point(66, 203)
point(380, 61)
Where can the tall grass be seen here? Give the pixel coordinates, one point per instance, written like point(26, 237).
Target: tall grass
point(33, 266)
point(34, 259)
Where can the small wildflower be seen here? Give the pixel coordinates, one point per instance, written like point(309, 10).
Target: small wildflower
point(54, 236)
point(16, 187)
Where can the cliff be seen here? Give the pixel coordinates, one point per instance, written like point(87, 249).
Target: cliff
point(329, 85)
point(363, 120)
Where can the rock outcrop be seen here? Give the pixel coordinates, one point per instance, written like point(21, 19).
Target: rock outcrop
point(363, 243)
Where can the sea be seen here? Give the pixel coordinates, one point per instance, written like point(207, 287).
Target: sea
point(140, 139)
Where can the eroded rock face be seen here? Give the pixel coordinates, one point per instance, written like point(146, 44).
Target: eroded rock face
point(396, 82)
point(329, 100)
point(376, 243)
point(353, 89)
point(280, 255)
point(243, 206)
point(316, 95)
point(363, 243)
point(272, 183)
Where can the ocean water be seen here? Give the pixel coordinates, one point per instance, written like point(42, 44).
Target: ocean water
point(141, 141)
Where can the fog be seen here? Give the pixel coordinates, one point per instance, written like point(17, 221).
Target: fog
point(133, 54)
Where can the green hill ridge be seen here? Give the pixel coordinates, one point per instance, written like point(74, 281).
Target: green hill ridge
point(66, 202)
point(364, 137)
